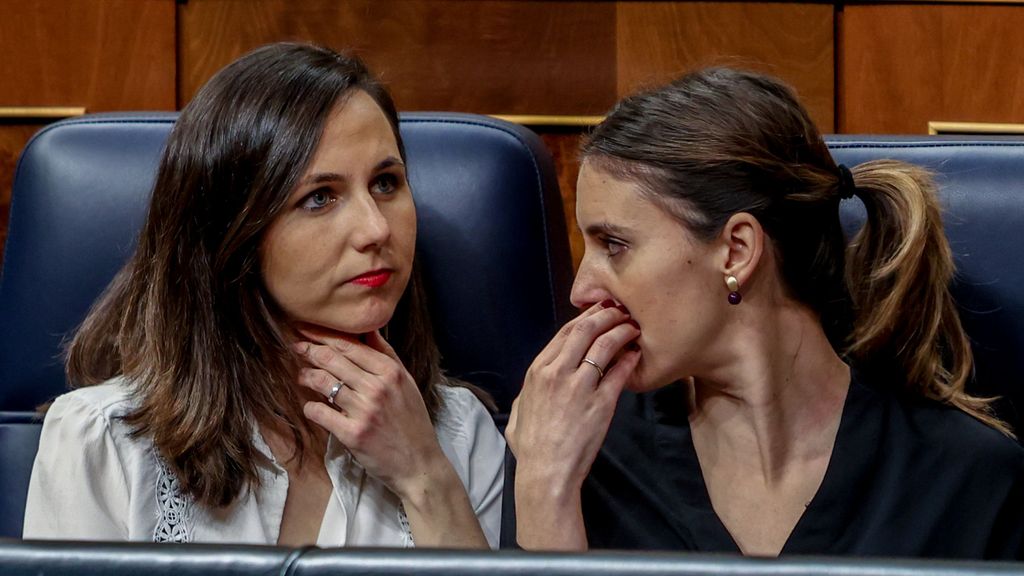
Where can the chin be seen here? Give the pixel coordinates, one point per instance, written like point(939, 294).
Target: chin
point(637, 382)
point(370, 324)
point(644, 380)
point(359, 321)
point(639, 387)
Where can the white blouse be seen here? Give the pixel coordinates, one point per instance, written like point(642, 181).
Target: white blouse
point(93, 481)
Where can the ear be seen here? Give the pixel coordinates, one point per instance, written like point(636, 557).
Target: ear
point(743, 243)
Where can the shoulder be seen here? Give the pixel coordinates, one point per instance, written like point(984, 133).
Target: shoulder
point(102, 405)
point(476, 450)
point(111, 399)
point(950, 434)
point(964, 437)
point(462, 413)
point(467, 434)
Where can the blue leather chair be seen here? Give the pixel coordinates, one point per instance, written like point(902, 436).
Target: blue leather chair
point(492, 242)
point(981, 182)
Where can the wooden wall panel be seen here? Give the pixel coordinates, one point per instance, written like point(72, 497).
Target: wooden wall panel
point(658, 40)
point(12, 140)
point(107, 55)
point(491, 57)
point(564, 146)
point(904, 65)
point(102, 55)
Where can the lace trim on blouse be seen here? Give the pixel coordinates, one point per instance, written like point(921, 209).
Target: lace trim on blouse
point(174, 510)
point(403, 521)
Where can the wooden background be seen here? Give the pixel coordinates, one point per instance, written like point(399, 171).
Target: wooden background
point(859, 68)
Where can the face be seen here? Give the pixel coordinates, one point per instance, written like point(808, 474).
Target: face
point(640, 256)
point(339, 255)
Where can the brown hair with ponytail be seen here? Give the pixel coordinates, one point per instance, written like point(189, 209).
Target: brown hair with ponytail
point(720, 141)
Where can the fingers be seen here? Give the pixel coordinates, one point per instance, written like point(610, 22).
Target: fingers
point(554, 348)
point(588, 332)
point(513, 423)
point(599, 335)
point(335, 422)
point(353, 362)
point(319, 381)
point(352, 400)
point(366, 357)
point(605, 349)
point(618, 375)
point(377, 342)
point(327, 359)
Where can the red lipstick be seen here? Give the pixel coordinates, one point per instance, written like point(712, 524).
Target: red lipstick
point(373, 278)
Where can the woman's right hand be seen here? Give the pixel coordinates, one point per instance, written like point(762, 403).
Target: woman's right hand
point(562, 415)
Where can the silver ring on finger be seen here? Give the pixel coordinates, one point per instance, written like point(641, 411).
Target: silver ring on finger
point(334, 391)
point(600, 371)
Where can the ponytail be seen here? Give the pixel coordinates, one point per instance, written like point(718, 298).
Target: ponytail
point(898, 270)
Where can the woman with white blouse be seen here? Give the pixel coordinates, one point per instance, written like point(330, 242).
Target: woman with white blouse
point(237, 381)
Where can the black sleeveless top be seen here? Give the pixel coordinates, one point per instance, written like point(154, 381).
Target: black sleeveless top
point(907, 478)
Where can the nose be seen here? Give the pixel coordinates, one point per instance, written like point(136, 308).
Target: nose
point(372, 229)
point(588, 288)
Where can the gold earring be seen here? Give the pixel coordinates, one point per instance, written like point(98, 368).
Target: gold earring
point(734, 290)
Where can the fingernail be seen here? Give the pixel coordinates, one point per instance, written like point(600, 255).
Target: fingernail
point(607, 303)
point(633, 323)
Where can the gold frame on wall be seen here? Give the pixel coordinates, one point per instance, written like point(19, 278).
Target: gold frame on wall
point(23, 113)
point(986, 128)
point(533, 120)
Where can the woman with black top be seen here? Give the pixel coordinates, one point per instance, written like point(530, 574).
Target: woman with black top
point(787, 391)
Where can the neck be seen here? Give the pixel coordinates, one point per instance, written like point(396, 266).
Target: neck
point(780, 399)
point(281, 442)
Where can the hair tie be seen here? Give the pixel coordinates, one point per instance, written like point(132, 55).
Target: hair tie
point(847, 188)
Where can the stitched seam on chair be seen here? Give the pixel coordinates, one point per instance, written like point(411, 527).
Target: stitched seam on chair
point(90, 121)
point(835, 145)
point(289, 565)
point(540, 190)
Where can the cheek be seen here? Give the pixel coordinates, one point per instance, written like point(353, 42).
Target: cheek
point(292, 261)
point(654, 299)
point(402, 222)
point(675, 312)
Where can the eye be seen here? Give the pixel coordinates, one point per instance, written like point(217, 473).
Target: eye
point(317, 200)
point(385, 184)
point(613, 246)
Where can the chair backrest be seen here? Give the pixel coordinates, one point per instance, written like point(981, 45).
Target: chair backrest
point(981, 182)
point(19, 440)
point(492, 243)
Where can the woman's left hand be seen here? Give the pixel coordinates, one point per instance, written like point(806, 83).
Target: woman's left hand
point(378, 413)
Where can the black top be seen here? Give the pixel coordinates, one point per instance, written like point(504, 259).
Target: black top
point(906, 478)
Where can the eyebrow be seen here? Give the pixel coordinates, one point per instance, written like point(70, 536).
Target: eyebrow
point(606, 228)
point(323, 177)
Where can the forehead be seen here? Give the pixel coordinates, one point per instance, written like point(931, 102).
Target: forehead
point(602, 197)
point(356, 128)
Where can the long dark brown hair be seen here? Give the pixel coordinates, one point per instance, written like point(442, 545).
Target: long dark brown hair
point(721, 141)
point(187, 321)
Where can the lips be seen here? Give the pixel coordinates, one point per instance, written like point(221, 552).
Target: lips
point(373, 278)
